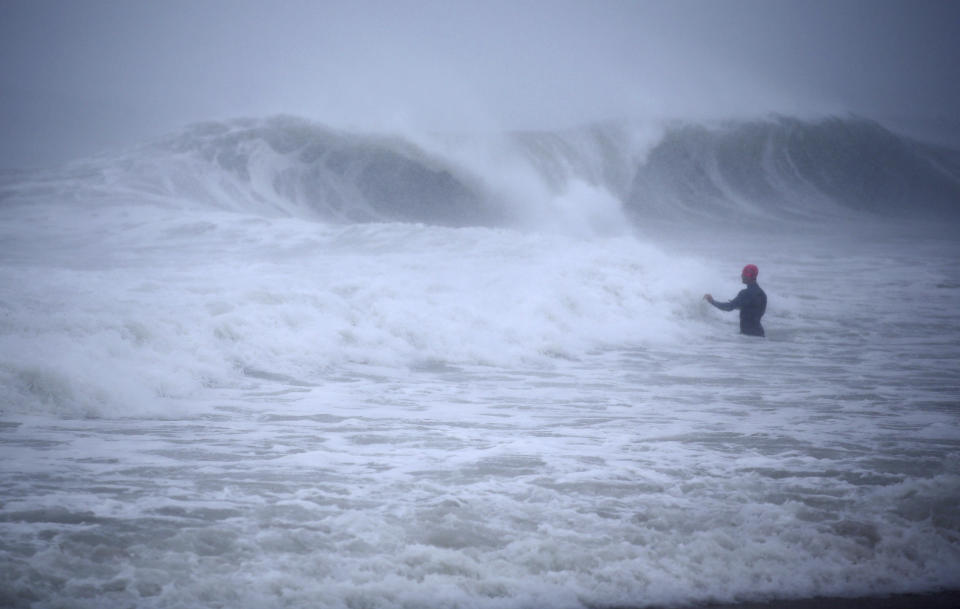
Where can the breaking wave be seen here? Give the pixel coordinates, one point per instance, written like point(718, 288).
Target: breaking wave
point(595, 177)
point(796, 168)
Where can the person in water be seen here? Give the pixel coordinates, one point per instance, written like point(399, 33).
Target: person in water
point(752, 302)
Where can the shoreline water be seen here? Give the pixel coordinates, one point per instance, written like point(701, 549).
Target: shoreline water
point(210, 404)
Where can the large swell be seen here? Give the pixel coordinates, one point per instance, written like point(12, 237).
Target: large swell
point(595, 177)
point(789, 168)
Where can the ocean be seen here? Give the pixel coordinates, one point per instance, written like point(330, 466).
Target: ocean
point(265, 363)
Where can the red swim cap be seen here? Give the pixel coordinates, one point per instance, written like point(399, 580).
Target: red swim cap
point(750, 272)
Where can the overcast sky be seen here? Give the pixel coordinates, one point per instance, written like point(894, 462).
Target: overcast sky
point(81, 75)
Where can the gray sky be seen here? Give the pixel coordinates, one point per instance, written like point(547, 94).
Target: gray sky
point(81, 75)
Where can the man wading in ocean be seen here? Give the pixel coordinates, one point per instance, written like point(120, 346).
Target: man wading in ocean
point(752, 302)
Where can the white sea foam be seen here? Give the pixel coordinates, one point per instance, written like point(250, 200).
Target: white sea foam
point(216, 297)
point(212, 401)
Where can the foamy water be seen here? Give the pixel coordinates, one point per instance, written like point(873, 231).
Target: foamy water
point(210, 408)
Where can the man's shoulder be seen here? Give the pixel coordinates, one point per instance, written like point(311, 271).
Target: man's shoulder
point(752, 292)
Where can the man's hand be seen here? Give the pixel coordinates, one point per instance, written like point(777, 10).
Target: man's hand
point(708, 298)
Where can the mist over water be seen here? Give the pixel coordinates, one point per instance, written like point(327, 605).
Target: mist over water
point(267, 362)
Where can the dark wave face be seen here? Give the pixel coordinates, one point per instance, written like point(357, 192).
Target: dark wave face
point(338, 176)
point(795, 167)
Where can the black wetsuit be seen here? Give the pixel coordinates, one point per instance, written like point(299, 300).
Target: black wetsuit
point(752, 302)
